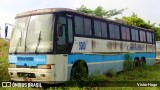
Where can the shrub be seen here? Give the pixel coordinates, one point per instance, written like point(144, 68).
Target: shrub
point(110, 73)
point(128, 65)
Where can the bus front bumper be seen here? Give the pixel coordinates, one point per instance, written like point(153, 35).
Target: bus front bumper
point(29, 74)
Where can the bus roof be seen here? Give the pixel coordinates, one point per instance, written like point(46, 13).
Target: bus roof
point(44, 11)
point(52, 10)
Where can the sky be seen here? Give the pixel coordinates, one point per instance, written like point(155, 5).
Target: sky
point(145, 9)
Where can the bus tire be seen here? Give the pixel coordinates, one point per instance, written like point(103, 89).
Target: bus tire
point(79, 71)
point(143, 61)
point(136, 62)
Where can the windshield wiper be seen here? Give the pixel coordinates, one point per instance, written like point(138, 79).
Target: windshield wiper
point(18, 43)
point(39, 39)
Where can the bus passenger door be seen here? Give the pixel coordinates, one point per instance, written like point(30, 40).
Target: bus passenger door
point(69, 33)
point(64, 34)
point(61, 34)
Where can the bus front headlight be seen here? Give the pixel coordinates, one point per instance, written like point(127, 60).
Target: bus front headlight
point(47, 66)
point(12, 65)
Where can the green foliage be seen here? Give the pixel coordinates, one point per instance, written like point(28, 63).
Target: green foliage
point(127, 66)
point(137, 21)
point(143, 62)
point(79, 71)
point(110, 73)
point(85, 10)
point(114, 12)
point(96, 72)
point(3, 46)
point(98, 77)
point(100, 12)
point(3, 60)
point(127, 56)
point(4, 69)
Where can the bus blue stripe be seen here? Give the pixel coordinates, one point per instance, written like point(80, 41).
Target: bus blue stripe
point(92, 58)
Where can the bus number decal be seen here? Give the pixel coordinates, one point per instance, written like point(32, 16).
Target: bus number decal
point(82, 45)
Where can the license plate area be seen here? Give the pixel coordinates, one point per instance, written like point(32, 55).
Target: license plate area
point(26, 75)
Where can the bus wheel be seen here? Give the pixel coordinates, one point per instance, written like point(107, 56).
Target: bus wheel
point(79, 71)
point(143, 61)
point(136, 62)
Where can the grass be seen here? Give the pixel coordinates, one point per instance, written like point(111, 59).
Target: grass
point(145, 73)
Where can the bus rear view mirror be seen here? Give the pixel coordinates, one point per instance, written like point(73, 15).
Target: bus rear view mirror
point(6, 31)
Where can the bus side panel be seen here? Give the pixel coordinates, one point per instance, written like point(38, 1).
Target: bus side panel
point(88, 45)
point(103, 63)
point(102, 55)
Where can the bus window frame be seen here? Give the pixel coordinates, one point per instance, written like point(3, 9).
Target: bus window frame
point(153, 40)
point(92, 18)
point(80, 35)
point(90, 28)
point(145, 36)
point(120, 39)
point(100, 28)
point(106, 30)
point(96, 37)
point(82, 24)
point(135, 37)
point(126, 36)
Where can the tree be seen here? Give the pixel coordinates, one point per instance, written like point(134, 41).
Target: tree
point(100, 12)
point(130, 20)
point(136, 21)
point(85, 10)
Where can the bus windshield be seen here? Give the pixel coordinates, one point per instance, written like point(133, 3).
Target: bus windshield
point(32, 34)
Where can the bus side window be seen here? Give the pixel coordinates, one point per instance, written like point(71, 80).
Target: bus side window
point(97, 28)
point(117, 31)
point(104, 29)
point(135, 36)
point(142, 36)
point(79, 25)
point(153, 38)
point(87, 27)
point(128, 34)
point(125, 33)
point(149, 37)
point(111, 31)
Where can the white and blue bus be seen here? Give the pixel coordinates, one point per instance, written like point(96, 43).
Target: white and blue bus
point(50, 44)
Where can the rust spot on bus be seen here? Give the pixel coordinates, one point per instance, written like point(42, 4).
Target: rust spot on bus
point(146, 48)
point(114, 45)
point(93, 44)
point(121, 46)
point(109, 45)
